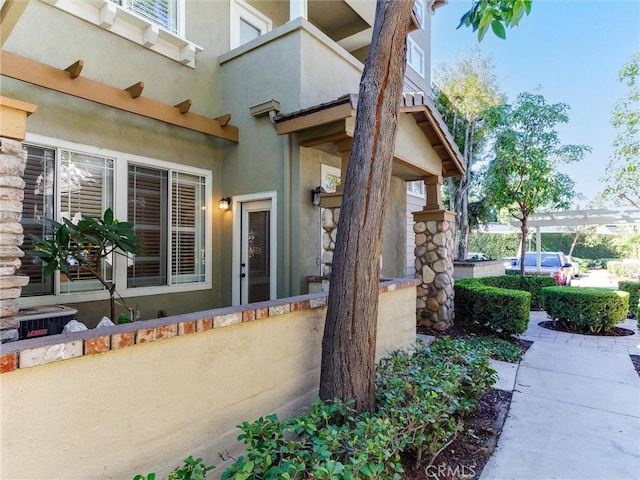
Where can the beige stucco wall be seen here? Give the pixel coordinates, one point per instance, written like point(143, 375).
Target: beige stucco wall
point(61, 40)
point(146, 407)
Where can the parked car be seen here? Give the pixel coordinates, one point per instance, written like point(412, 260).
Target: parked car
point(476, 257)
point(510, 262)
point(575, 266)
point(551, 263)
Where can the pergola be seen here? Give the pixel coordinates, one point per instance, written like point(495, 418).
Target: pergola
point(576, 218)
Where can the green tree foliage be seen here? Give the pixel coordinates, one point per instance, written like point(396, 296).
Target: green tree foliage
point(463, 92)
point(495, 14)
point(523, 176)
point(622, 179)
point(84, 246)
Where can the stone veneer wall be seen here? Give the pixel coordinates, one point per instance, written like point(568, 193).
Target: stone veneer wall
point(13, 160)
point(330, 218)
point(434, 268)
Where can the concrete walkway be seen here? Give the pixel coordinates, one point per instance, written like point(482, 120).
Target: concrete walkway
point(575, 411)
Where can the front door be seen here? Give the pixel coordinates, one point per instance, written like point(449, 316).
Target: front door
point(256, 275)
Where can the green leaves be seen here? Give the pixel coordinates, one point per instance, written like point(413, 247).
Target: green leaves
point(622, 179)
point(499, 14)
point(586, 309)
point(419, 396)
point(82, 246)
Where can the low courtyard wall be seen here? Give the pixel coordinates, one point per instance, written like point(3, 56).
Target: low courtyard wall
point(139, 398)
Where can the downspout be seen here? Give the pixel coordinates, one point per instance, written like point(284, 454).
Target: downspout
point(286, 194)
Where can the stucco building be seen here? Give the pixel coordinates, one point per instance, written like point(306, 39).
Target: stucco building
point(163, 109)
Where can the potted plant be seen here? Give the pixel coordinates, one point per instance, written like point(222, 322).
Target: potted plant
point(82, 246)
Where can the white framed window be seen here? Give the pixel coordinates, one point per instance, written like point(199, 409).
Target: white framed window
point(415, 57)
point(419, 11)
point(165, 13)
point(166, 202)
point(416, 188)
point(247, 23)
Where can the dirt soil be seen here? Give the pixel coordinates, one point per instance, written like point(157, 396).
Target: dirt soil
point(467, 455)
point(635, 359)
point(612, 332)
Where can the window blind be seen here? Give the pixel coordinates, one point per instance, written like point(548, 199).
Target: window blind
point(161, 12)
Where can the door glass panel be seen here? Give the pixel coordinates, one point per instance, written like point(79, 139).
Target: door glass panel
point(259, 258)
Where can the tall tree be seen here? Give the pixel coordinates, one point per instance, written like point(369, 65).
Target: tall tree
point(348, 344)
point(467, 88)
point(523, 177)
point(623, 171)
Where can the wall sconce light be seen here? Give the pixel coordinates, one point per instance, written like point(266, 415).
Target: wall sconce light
point(224, 203)
point(315, 195)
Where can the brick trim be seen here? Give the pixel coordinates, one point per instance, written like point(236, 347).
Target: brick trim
point(43, 350)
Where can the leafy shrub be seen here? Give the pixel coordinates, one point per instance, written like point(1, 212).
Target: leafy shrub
point(586, 309)
point(501, 310)
point(498, 348)
point(420, 396)
point(192, 469)
point(634, 295)
point(526, 283)
point(625, 268)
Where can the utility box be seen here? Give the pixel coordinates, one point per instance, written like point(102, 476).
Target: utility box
point(42, 321)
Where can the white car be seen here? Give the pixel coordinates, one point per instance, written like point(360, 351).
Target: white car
point(575, 266)
point(476, 257)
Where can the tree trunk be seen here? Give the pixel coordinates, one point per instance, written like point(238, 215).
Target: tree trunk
point(349, 341)
point(524, 229)
point(575, 241)
point(465, 184)
point(462, 198)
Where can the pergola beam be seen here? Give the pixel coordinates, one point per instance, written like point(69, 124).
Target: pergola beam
point(36, 73)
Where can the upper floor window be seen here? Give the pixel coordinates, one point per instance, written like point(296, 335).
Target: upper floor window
point(247, 23)
point(416, 188)
point(167, 204)
point(157, 25)
point(161, 12)
point(419, 12)
point(415, 57)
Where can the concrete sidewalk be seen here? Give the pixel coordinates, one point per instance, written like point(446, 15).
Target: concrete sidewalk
point(575, 411)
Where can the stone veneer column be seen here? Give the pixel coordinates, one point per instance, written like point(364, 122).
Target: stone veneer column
point(13, 158)
point(434, 268)
point(330, 203)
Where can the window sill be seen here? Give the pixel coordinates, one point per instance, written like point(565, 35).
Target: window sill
point(117, 20)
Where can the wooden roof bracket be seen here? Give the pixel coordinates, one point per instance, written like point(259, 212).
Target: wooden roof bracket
point(128, 100)
point(75, 69)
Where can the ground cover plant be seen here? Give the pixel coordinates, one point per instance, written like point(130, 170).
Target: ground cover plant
point(422, 395)
point(591, 310)
point(499, 348)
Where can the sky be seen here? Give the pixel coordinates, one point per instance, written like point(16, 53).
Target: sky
point(573, 50)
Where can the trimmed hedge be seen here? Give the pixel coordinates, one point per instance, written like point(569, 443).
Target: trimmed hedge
point(480, 306)
point(527, 283)
point(421, 397)
point(586, 309)
point(624, 268)
point(634, 296)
